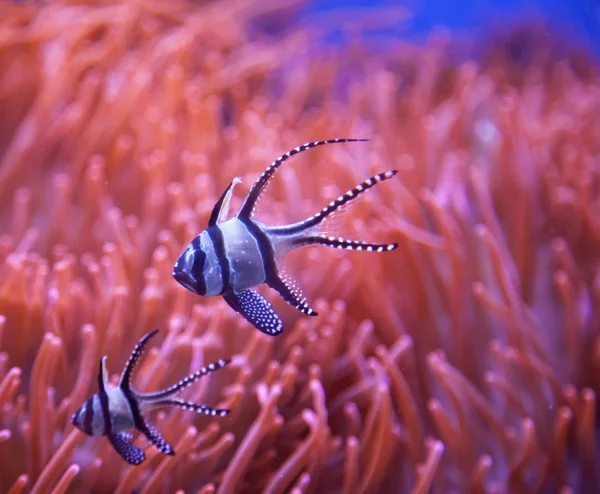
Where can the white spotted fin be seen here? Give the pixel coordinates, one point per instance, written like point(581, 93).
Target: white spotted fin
point(257, 310)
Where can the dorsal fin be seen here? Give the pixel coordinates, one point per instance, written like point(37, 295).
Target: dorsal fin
point(102, 375)
point(125, 382)
point(219, 212)
point(247, 208)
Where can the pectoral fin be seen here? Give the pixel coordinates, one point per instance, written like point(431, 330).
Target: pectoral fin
point(256, 310)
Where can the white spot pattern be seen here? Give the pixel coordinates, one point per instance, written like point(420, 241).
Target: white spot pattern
point(130, 453)
point(189, 380)
point(294, 291)
point(134, 358)
point(341, 243)
point(344, 199)
point(203, 409)
point(157, 440)
point(258, 311)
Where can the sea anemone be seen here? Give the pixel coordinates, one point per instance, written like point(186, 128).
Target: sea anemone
point(468, 360)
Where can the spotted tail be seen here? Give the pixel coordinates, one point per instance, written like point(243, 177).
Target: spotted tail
point(186, 405)
point(186, 381)
point(340, 243)
point(333, 207)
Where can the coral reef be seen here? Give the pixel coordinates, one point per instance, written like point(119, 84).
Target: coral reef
point(466, 361)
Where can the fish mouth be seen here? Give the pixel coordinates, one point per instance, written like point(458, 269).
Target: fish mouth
point(184, 279)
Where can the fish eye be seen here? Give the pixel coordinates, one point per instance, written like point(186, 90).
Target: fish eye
point(198, 261)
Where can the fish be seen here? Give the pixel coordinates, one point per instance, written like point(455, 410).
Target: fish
point(232, 257)
point(114, 410)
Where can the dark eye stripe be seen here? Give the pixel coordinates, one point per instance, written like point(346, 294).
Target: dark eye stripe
point(89, 416)
point(198, 265)
point(197, 268)
point(216, 236)
point(105, 411)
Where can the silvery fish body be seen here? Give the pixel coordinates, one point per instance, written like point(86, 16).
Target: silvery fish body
point(112, 411)
point(234, 256)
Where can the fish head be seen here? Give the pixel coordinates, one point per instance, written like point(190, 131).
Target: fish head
point(189, 269)
point(83, 417)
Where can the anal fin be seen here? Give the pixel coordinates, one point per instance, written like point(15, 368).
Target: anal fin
point(130, 453)
point(156, 439)
point(291, 293)
point(256, 310)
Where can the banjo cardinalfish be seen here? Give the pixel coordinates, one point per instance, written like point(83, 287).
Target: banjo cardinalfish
point(112, 411)
point(232, 257)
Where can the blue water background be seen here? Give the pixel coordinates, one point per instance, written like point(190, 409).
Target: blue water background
point(578, 18)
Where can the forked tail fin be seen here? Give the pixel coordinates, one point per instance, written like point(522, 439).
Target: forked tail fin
point(186, 381)
point(194, 407)
point(332, 208)
point(308, 232)
point(340, 243)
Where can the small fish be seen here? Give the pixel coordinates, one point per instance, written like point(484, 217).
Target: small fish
point(232, 257)
point(112, 411)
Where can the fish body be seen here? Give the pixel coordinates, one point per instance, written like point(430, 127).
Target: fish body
point(234, 256)
point(114, 410)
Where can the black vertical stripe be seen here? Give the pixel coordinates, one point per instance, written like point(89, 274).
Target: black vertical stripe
point(88, 416)
point(136, 414)
point(216, 236)
point(105, 412)
point(197, 268)
point(265, 247)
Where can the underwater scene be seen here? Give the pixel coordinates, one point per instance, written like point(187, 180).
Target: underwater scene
point(299, 246)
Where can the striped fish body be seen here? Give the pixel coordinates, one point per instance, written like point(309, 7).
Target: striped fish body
point(105, 413)
point(114, 410)
point(234, 256)
point(222, 258)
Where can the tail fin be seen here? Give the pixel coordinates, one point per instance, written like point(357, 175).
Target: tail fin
point(340, 243)
point(333, 207)
point(186, 405)
point(186, 381)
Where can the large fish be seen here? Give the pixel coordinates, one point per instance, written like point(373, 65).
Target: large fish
point(232, 257)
